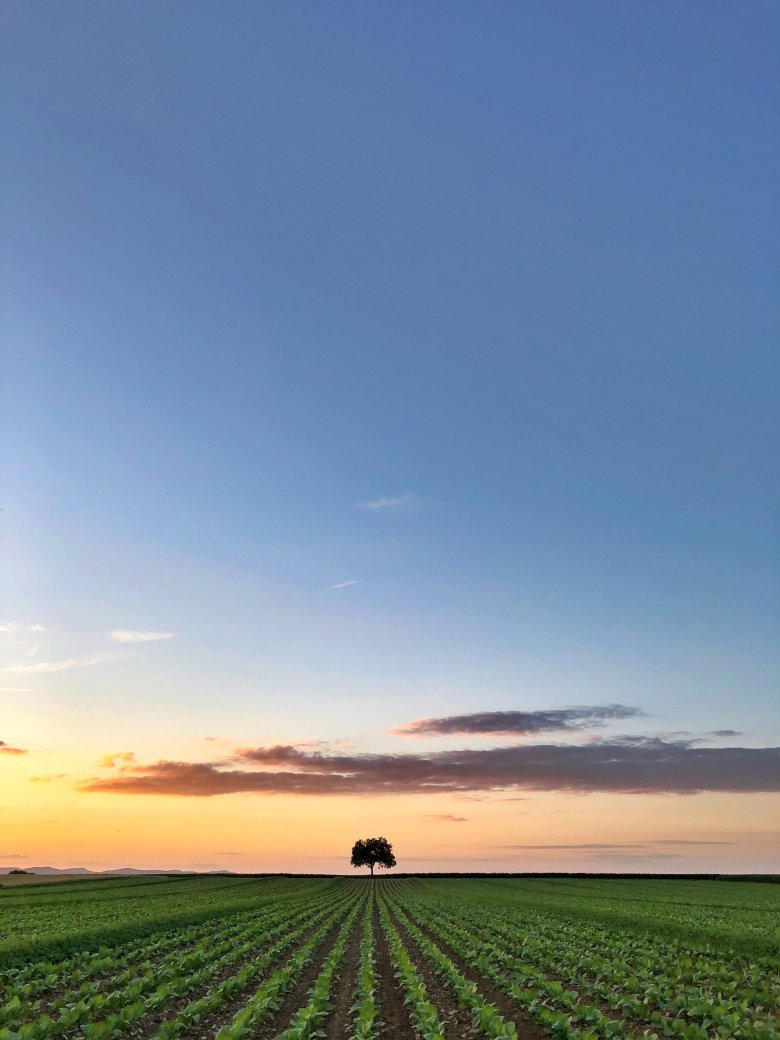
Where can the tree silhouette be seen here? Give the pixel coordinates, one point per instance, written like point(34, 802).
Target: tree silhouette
point(368, 852)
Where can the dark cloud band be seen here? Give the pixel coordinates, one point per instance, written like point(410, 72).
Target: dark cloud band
point(519, 723)
point(655, 767)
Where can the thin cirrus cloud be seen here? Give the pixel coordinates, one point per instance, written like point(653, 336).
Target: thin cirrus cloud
point(446, 817)
point(653, 767)
point(519, 723)
point(131, 635)
point(40, 667)
point(612, 846)
point(344, 584)
point(6, 749)
point(16, 626)
point(390, 503)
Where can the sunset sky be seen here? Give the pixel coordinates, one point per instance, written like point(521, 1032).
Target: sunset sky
point(390, 435)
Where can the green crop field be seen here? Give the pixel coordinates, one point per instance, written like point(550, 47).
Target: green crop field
point(155, 958)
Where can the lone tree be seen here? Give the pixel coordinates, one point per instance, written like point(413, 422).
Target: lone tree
point(368, 852)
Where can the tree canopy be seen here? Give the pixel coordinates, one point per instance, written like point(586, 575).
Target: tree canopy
point(370, 852)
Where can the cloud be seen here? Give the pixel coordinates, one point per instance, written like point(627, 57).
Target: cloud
point(37, 628)
point(343, 584)
point(13, 855)
point(613, 846)
point(5, 749)
point(657, 768)
point(647, 740)
point(14, 626)
point(110, 759)
point(686, 841)
point(230, 854)
point(129, 635)
point(725, 733)
point(446, 817)
point(47, 778)
point(391, 503)
point(58, 666)
point(582, 846)
point(639, 856)
point(17, 689)
point(519, 723)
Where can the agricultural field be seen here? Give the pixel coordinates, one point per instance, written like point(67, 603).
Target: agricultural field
point(158, 958)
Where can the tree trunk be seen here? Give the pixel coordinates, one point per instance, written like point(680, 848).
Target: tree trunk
point(371, 868)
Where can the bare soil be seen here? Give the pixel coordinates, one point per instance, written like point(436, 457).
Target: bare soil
point(527, 1028)
point(107, 980)
point(340, 1018)
point(631, 1028)
point(394, 1017)
point(149, 1025)
point(297, 995)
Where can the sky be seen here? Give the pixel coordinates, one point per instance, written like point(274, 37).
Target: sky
point(390, 435)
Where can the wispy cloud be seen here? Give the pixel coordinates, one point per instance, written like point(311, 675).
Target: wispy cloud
point(391, 502)
point(653, 768)
point(612, 846)
point(446, 817)
point(13, 855)
point(58, 666)
point(111, 759)
point(16, 626)
point(519, 723)
point(344, 584)
point(17, 689)
point(48, 778)
point(130, 635)
point(639, 856)
point(6, 749)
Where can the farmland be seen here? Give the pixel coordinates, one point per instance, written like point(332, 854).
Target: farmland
point(157, 958)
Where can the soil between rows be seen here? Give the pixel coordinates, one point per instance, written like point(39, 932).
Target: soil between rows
point(149, 1025)
point(527, 1028)
point(106, 980)
point(339, 1018)
point(297, 995)
point(630, 1027)
point(394, 1017)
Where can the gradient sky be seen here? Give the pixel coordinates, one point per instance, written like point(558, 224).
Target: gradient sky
point(366, 364)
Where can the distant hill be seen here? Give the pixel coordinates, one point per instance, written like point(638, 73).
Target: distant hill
point(94, 873)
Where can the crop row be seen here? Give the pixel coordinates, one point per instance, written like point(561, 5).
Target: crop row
point(229, 977)
point(570, 1003)
point(484, 1014)
point(425, 1014)
point(102, 1014)
point(83, 977)
point(267, 998)
point(365, 1007)
point(643, 955)
point(58, 925)
point(42, 973)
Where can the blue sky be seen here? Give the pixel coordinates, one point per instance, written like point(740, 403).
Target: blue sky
point(508, 272)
